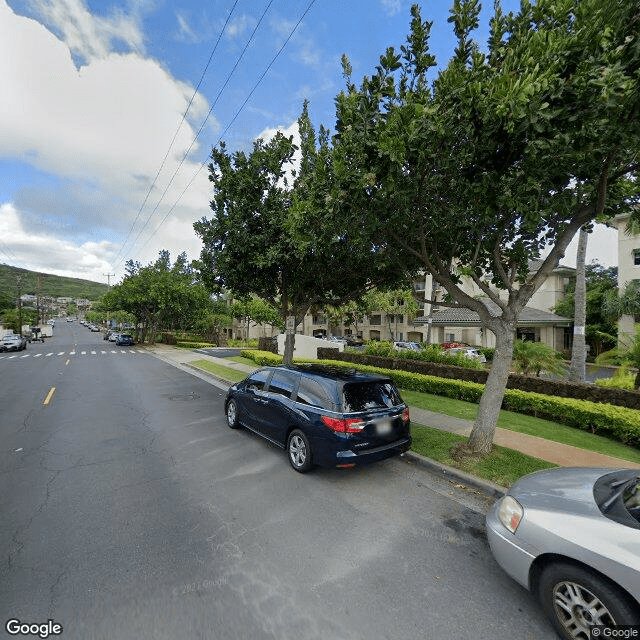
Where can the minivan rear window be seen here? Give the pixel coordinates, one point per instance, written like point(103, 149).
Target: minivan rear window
point(363, 396)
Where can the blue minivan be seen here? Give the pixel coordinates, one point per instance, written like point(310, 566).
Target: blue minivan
point(322, 415)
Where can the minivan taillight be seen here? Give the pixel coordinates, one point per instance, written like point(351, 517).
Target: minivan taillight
point(405, 415)
point(342, 425)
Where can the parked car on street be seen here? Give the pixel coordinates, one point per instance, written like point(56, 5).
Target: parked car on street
point(353, 340)
point(113, 337)
point(124, 340)
point(13, 342)
point(322, 415)
point(572, 537)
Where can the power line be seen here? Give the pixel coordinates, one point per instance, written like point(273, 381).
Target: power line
point(175, 135)
point(235, 117)
point(215, 102)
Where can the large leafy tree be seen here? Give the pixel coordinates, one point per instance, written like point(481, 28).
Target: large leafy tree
point(500, 160)
point(160, 295)
point(250, 246)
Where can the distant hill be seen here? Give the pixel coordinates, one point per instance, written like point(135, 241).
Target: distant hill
point(46, 284)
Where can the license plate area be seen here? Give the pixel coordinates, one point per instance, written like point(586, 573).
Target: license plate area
point(383, 427)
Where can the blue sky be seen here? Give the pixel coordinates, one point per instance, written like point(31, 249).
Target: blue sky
point(94, 92)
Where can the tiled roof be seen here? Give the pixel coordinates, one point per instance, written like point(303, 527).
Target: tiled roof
point(461, 316)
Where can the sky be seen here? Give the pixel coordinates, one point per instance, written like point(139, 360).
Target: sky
point(99, 163)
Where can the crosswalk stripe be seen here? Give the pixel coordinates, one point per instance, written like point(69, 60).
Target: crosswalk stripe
point(37, 355)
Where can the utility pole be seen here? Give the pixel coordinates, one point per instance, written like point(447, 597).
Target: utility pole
point(108, 276)
point(18, 280)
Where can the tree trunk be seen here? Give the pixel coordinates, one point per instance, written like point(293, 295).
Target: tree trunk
point(289, 344)
point(481, 438)
point(579, 351)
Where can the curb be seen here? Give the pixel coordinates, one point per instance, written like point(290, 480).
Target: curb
point(488, 488)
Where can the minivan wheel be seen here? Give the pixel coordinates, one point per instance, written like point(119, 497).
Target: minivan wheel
point(299, 451)
point(232, 414)
point(576, 600)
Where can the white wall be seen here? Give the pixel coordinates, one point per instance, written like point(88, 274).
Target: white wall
point(306, 346)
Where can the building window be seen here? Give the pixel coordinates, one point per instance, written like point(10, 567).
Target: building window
point(375, 320)
point(636, 257)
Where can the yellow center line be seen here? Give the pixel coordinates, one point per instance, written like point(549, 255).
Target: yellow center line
point(49, 395)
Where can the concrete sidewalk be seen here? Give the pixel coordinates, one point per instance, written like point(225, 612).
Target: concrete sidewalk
point(561, 454)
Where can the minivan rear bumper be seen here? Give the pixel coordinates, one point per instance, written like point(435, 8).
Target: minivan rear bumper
point(349, 457)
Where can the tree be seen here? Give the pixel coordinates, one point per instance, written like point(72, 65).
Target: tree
point(159, 295)
point(579, 347)
point(536, 357)
point(250, 244)
point(601, 288)
point(500, 160)
point(393, 303)
point(256, 310)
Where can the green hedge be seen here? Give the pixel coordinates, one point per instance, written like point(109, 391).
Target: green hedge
point(194, 345)
point(608, 420)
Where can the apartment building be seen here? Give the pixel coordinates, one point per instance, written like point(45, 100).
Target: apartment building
point(439, 323)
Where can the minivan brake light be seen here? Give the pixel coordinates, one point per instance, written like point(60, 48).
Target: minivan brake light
point(344, 425)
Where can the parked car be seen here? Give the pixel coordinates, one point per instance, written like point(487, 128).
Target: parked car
point(124, 340)
point(406, 346)
point(321, 415)
point(113, 337)
point(13, 342)
point(354, 341)
point(469, 352)
point(572, 537)
point(336, 340)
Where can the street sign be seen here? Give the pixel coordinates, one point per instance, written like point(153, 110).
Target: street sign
point(291, 325)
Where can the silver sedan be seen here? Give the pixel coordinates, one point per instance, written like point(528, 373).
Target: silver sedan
point(572, 537)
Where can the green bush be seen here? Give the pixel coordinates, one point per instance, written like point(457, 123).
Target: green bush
point(608, 420)
point(428, 353)
point(194, 345)
point(262, 358)
point(622, 379)
point(243, 343)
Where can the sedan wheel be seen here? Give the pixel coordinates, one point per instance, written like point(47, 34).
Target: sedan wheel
point(299, 451)
point(576, 600)
point(232, 414)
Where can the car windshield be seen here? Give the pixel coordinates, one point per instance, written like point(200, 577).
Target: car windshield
point(618, 496)
point(631, 497)
point(362, 396)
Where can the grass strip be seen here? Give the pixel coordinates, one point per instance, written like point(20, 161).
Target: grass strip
point(502, 466)
point(242, 360)
point(522, 423)
point(220, 371)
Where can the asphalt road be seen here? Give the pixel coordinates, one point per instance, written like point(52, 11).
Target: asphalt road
point(129, 510)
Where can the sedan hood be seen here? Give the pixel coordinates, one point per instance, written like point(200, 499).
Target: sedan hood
point(567, 489)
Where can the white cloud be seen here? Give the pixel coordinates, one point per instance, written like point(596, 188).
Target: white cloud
point(391, 7)
point(99, 133)
point(89, 36)
point(237, 26)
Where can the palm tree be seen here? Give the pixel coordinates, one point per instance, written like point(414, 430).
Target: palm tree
point(578, 350)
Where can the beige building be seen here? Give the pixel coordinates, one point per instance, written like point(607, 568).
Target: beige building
point(448, 324)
